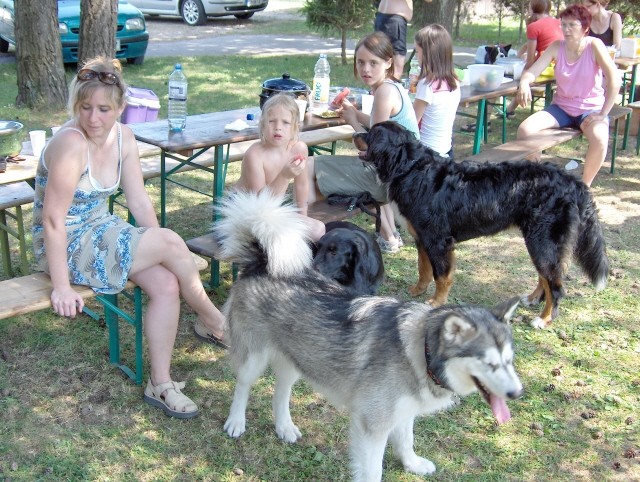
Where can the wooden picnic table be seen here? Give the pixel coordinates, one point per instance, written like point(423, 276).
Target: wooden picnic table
point(203, 132)
point(628, 64)
point(468, 95)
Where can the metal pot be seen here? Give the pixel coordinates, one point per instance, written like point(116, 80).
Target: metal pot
point(297, 88)
point(10, 141)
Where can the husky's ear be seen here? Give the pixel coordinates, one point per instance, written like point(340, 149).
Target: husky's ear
point(504, 312)
point(457, 330)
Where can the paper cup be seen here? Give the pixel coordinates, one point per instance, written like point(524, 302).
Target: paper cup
point(302, 108)
point(38, 139)
point(367, 103)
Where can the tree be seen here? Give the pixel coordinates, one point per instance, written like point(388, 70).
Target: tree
point(40, 71)
point(98, 24)
point(339, 16)
point(436, 11)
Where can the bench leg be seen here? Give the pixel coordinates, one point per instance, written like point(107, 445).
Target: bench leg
point(22, 241)
point(112, 313)
point(4, 245)
point(614, 144)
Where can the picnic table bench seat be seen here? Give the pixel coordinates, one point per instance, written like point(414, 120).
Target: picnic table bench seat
point(32, 292)
point(521, 148)
point(12, 197)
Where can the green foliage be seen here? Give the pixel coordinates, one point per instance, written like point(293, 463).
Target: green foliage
point(338, 15)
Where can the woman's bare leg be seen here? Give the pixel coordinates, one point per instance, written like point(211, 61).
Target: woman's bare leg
point(160, 246)
point(597, 134)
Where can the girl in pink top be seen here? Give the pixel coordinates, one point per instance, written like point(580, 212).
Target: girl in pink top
point(581, 101)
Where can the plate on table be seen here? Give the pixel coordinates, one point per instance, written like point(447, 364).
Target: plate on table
point(325, 114)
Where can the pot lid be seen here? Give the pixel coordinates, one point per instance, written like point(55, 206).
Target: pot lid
point(10, 127)
point(285, 83)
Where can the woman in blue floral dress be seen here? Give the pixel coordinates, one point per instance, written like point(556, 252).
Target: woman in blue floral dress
point(77, 240)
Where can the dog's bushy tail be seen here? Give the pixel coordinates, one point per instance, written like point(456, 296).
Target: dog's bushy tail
point(260, 230)
point(590, 251)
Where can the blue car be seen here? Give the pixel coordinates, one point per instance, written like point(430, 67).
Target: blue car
point(131, 39)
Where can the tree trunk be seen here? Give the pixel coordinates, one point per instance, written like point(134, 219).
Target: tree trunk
point(40, 71)
point(98, 23)
point(343, 44)
point(436, 11)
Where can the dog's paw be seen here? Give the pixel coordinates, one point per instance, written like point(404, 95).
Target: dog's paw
point(288, 432)
point(417, 289)
point(526, 301)
point(538, 323)
point(235, 426)
point(419, 465)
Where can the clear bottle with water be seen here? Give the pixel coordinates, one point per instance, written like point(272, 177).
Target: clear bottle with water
point(177, 99)
point(321, 83)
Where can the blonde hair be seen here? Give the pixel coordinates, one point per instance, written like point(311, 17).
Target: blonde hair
point(287, 101)
point(81, 90)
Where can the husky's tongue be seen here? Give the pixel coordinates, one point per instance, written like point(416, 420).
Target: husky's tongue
point(499, 409)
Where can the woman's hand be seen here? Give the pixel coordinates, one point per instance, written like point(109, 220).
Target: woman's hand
point(592, 119)
point(523, 97)
point(66, 302)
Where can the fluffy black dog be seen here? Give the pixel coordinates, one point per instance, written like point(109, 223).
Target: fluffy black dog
point(350, 255)
point(446, 202)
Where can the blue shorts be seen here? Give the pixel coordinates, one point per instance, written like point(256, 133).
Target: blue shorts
point(395, 26)
point(566, 120)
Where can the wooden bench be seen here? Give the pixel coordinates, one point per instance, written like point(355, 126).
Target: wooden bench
point(12, 197)
point(546, 139)
point(33, 293)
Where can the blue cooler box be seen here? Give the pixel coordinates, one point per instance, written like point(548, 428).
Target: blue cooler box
point(142, 106)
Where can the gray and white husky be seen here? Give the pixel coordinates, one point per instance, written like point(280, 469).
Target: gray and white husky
point(382, 360)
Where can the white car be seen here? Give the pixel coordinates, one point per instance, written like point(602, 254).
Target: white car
point(195, 12)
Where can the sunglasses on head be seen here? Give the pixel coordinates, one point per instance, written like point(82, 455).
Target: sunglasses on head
point(108, 78)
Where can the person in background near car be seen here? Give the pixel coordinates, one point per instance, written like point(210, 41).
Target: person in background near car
point(373, 65)
point(280, 157)
point(438, 92)
point(605, 25)
point(542, 30)
point(77, 240)
point(581, 101)
point(392, 18)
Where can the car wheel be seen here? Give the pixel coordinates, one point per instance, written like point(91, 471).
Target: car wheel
point(244, 16)
point(4, 45)
point(136, 60)
point(193, 12)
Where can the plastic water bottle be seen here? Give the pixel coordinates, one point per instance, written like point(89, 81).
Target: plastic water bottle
point(321, 83)
point(177, 99)
point(414, 75)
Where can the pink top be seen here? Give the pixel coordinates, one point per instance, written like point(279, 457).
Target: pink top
point(545, 31)
point(580, 83)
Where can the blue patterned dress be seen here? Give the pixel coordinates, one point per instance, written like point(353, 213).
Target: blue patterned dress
point(100, 245)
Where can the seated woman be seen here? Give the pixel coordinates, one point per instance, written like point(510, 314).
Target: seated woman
point(77, 240)
point(581, 101)
point(605, 25)
point(373, 64)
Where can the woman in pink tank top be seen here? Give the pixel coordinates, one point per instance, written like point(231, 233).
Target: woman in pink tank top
point(587, 85)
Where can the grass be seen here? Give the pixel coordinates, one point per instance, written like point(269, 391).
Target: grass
point(68, 415)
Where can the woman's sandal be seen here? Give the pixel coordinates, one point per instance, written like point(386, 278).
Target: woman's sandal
point(202, 334)
point(174, 402)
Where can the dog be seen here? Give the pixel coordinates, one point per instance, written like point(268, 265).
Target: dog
point(488, 54)
point(350, 255)
point(446, 202)
point(384, 361)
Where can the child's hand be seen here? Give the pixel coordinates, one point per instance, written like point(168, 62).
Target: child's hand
point(348, 112)
point(295, 167)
